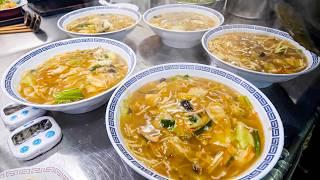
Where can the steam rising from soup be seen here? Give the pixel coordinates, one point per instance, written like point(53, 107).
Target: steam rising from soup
point(183, 21)
point(73, 76)
point(191, 128)
point(258, 52)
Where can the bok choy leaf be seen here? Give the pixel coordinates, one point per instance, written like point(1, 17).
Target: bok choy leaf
point(68, 95)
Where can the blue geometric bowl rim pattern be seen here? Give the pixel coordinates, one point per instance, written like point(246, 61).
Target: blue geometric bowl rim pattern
point(93, 8)
point(8, 75)
point(273, 153)
point(207, 35)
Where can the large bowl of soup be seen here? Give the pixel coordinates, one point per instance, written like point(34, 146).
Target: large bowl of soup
point(261, 55)
point(100, 21)
point(73, 76)
point(193, 121)
point(182, 25)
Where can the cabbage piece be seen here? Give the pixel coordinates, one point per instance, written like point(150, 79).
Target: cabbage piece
point(216, 111)
point(245, 100)
point(244, 136)
point(150, 132)
point(198, 92)
point(58, 70)
point(67, 96)
point(73, 62)
point(27, 79)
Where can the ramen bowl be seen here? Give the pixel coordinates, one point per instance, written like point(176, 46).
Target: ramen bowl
point(260, 79)
point(13, 75)
point(181, 39)
point(268, 115)
point(118, 35)
point(13, 12)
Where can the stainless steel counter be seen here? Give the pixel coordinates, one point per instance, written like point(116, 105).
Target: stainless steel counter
point(85, 151)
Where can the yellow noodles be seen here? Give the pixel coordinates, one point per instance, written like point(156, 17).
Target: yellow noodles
point(100, 23)
point(73, 76)
point(258, 52)
point(201, 130)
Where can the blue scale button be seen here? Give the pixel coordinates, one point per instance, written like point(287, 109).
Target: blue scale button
point(34, 108)
point(49, 134)
point(36, 142)
point(14, 117)
point(25, 112)
point(24, 149)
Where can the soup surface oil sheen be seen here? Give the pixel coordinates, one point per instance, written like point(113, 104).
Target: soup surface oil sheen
point(187, 127)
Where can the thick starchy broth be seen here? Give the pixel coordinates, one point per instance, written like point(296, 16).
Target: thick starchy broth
point(191, 128)
point(73, 76)
point(7, 4)
point(258, 52)
point(183, 21)
point(100, 23)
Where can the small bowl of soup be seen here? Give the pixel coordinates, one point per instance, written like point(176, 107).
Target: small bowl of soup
point(73, 76)
point(193, 121)
point(100, 21)
point(182, 25)
point(262, 55)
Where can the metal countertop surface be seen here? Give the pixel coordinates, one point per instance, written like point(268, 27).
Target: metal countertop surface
point(85, 151)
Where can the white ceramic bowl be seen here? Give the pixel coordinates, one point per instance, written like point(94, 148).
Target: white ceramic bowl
point(181, 39)
point(20, 3)
point(118, 35)
point(270, 119)
point(32, 59)
point(260, 79)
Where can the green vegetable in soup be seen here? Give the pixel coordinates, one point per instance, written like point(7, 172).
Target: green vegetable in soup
point(93, 68)
point(244, 136)
point(28, 79)
point(167, 123)
point(203, 128)
point(193, 118)
point(257, 143)
point(69, 95)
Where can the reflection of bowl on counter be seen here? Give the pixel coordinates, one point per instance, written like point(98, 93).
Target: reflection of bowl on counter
point(179, 33)
point(74, 85)
point(143, 97)
point(259, 62)
point(93, 22)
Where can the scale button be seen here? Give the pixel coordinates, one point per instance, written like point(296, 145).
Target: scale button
point(25, 112)
point(14, 117)
point(49, 134)
point(36, 142)
point(34, 108)
point(24, 149)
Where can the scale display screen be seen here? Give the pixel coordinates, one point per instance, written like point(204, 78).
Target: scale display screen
point(31, 131)
point(12, 109)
